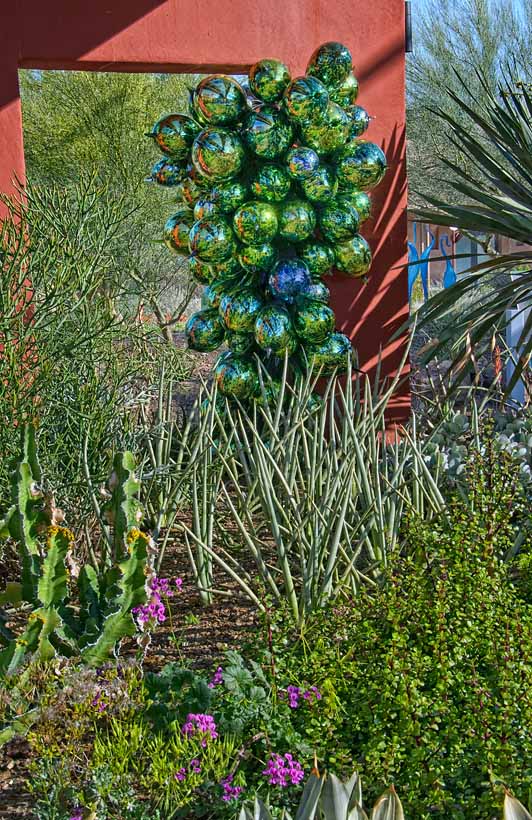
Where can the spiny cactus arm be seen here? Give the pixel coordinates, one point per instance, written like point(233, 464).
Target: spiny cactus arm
point(122, 510)
point(131, 585)
point(25, 515)
point(13, 655)
point(89, 590)
point(5, 523)
point(29, 451)
point(115, 627)
point(52, 585)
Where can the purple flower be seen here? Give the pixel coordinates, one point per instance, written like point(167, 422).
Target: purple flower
point(311, 693)
point(200, 724)
point(281, 771)
point(230, 792)
point(78, 815)
point(195, 766)
point(99, 703)
point(179, 583)
point(293, 693)
point(153, 611)
point(180, 774)
point(217, 678)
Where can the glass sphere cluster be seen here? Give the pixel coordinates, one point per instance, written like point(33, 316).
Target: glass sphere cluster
point(272, 179)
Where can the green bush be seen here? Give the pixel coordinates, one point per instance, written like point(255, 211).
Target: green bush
point(433, 669)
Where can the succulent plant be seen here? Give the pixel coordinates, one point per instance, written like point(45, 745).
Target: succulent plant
point(55, 625)
point(328, 798)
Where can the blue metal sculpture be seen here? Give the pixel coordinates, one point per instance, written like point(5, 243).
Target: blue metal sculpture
point(449, 276)
point(419, 264)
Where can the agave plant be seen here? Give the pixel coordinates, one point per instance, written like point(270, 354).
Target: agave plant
point(494, 197)
point(328, 798)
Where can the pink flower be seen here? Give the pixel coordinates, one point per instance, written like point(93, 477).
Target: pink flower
point(230, 792)
point(203, 725)
point(281, 770)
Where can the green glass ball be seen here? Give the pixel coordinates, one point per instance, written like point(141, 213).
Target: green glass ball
point(219, 100)
point(227, 272)
point(289, 280)
point(267, 132)
point(271, 183)
point(346, 93)
point(329, 132)
point(237, 377)
point(297, 220)
point(268, 393)
point(305, 99)
point(354, 256)
point(227, 269)
point(204, 331)
point(268, 80)
point(242, 344)
point(359, 120)
point(331, 354)
point(194, 112)
point(211, 239)
point(313, 321)
point(174, 135)
point(321, 186)
point(274, 330)
point(330, 63)
point(176, 230)
point(167, 173)
point(361, 164)
point(228, 196)
point(213, 293)
point(204, 207)
point(239, 310)
point(360, 199)
point(257, 258)
point(255, 223)
point(317, 256)
point(200, 271)
point(190, 191)
point(217, 154)
point(302, 162)
point(338, 221)
point(318, 292)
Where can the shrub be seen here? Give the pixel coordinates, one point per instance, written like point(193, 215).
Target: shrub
point(433, 669)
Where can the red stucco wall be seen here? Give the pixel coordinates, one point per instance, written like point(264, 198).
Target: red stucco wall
point(200, 35)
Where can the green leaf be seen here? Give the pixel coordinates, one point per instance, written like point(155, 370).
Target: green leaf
point(310, 798)
point(52, 585)
point(388, 807)
point(514, 810)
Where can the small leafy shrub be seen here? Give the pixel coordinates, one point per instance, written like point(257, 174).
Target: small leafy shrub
point(432, 669)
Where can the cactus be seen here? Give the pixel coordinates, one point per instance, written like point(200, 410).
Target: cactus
point(55, 626)
point(122, 510)
point(26, 515)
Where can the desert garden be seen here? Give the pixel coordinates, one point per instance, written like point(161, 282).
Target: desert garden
point(235, 580)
